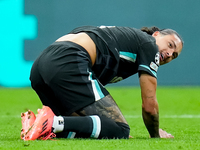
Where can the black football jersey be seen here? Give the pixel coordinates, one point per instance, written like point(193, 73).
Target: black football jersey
point(122, 52)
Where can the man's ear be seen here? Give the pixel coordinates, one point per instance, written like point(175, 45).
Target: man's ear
point(155, 33)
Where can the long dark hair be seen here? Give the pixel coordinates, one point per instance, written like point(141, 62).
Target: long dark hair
point(151, 30)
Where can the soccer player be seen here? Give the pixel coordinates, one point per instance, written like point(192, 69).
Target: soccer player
point(69, 78)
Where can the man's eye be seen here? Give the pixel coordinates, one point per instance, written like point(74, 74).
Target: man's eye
point(170, 45)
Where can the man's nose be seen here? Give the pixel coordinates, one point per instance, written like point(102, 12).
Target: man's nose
point(170, 52)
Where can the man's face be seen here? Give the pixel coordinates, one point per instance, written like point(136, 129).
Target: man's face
point(170, 46)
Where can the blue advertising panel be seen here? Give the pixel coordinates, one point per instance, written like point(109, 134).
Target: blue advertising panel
point(28, 26)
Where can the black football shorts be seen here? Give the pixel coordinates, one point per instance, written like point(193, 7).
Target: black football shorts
point(63, 79)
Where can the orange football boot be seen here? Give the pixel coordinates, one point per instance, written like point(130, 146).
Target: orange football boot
point(27, 119)
point(42, 127)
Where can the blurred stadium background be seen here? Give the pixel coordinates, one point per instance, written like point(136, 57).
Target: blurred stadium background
point(29, 26)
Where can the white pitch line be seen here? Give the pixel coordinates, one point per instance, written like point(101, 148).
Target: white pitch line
point(10, 116)
point(165, 116)
point(126, 116)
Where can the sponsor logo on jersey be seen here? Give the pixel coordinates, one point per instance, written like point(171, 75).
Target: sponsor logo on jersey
point(116, 79)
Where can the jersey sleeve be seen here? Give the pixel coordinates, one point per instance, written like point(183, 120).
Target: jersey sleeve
point(148, 60)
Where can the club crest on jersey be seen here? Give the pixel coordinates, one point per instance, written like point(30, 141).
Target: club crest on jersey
point(154, 66)
point(157, 58)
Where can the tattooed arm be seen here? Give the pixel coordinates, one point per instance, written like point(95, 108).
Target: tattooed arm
point(150, 113)
point(150, 107)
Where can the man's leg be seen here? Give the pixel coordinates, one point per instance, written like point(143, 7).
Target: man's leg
point(71, 88)
point(44, 92)
point(105, 107)
point(102, 119)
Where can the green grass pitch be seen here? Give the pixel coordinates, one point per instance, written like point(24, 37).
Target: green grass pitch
point(179, 115)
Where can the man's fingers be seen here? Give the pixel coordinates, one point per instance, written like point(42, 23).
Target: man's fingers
point(164, 134)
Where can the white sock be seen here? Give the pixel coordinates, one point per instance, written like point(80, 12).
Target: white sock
point(58, 124)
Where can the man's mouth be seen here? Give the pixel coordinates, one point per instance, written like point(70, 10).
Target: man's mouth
point(161, 57)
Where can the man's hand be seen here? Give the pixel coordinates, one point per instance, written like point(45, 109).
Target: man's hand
point(164, 134)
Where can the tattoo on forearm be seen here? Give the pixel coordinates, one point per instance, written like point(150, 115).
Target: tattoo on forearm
point(151, 123)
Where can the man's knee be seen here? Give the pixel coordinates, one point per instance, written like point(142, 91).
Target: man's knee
point(125, 130)
point(113, 130)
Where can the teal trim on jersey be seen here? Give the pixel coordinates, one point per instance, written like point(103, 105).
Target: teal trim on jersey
point(71, 135)
point(96, 126)
point(99, 89)
point(129, 55)
point(96, 88)
point(153, 72)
